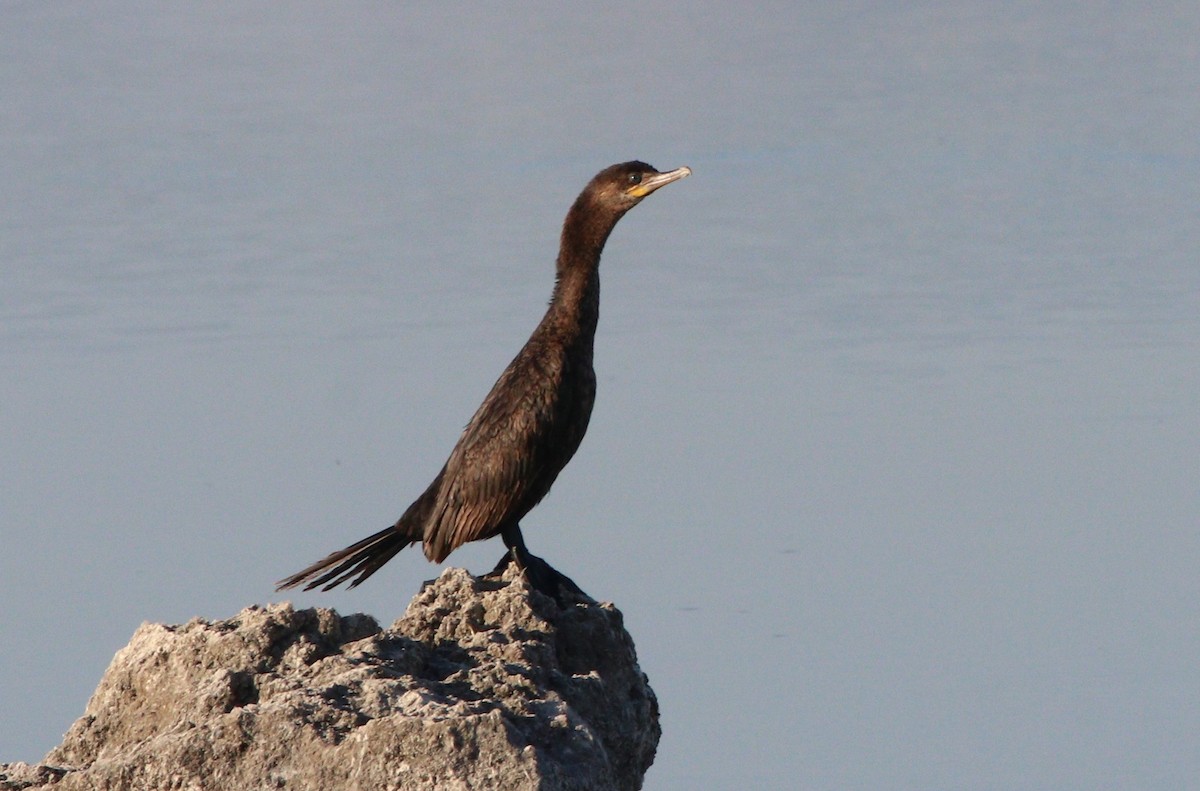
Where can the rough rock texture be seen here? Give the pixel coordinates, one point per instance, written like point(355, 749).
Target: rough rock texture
point(482, 684)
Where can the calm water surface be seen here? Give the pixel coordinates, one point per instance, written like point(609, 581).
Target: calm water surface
point(893, 470)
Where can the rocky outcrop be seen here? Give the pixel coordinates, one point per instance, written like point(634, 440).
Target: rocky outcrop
point(482, 684)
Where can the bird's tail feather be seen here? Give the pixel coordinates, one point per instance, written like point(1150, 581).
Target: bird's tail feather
point(363, 559)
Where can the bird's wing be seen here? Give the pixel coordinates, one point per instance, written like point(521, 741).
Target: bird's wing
point(498, 469)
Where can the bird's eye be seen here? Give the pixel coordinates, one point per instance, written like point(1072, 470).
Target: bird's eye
point(635, 178)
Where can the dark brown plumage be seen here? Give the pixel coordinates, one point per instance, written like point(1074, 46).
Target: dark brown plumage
point(532, 421)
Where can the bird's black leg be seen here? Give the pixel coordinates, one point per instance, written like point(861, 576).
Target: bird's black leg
point(540, 574)
point(515, 543)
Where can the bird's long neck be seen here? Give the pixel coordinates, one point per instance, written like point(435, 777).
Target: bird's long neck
point(575, 305)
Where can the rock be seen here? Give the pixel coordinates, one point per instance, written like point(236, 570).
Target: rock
point(483, 684)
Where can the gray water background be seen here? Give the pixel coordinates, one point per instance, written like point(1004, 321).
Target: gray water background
point(894, 466)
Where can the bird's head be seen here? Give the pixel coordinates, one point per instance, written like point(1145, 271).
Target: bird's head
point(621, 187)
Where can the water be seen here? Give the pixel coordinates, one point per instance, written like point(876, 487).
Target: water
point(893, 467)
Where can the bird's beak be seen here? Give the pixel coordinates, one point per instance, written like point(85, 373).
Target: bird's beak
point(651, 183)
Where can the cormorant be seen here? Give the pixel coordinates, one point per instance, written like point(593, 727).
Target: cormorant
point(530, 424)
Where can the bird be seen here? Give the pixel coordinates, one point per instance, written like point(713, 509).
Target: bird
point(529, 425)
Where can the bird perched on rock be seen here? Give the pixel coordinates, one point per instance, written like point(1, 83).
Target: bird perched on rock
point(530, 424)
